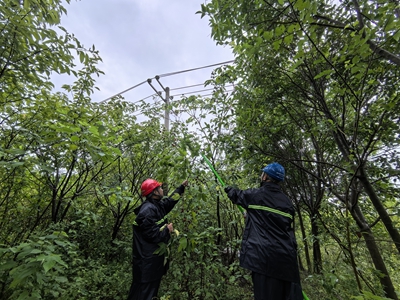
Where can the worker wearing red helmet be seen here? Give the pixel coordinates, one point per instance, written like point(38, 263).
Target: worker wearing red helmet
point(149, 229)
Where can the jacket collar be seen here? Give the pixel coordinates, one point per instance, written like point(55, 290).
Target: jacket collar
point(148, 200)
point(270, 185)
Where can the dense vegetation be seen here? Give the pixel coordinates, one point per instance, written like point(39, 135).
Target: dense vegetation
point(316, 88)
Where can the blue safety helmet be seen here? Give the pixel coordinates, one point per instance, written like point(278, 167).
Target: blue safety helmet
point(275, 171)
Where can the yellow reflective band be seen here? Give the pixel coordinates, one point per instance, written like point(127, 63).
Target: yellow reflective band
point(271, 210)
point(162, 220)
point(158, 222)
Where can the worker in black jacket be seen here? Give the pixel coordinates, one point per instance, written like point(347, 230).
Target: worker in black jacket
point(269, 248)
point(149, 229)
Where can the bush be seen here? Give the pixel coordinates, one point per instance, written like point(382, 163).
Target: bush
point(36, 269)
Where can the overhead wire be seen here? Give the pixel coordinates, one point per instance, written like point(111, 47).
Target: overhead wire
point(198, 91)
point(180, 88)
point(194, 69)
point(186, 87)
point(124, 91)
point(159, 106)
point(157, 94)
point(165, 75)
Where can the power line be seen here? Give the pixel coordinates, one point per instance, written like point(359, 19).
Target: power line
point(189, 70)
point(193, 92)
point(120, 93)
point(205, 90)
point(165, 75)
point(180, 88)
point(186, 87)
point(146, 98)
point(157, 105)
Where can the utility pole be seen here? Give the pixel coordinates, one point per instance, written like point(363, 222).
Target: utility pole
point(166, 100)
point(166, 115)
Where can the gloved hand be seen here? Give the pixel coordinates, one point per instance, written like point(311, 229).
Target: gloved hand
point(227, 189)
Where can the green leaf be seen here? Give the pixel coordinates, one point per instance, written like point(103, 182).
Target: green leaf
point(8, 265)
point(15, 151)
point(288, 39)
point(25, 295)
point(74, 138)
point(280, 29)
point(396, 36)
point(182, 244)
point(323, 74)
point(277, 44)
point(162, 249)
point(48, 264)
point(36, 251)
point(81, 57)
point(27, 4)
point(300, 4)
point(61, 279)
point(94, 130)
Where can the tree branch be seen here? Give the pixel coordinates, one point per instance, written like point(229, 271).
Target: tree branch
point(372, 45)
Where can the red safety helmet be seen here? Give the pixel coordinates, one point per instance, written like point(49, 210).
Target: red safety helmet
point(148, 186)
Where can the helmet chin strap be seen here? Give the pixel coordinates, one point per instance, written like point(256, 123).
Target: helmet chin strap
point(155, 195)
point(264, 177)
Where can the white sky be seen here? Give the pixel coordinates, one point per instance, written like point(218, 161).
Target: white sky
point(139, 39)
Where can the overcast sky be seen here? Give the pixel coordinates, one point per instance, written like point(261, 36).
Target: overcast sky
point(139, 39)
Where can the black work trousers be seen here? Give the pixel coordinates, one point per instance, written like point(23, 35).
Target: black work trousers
point(268, 288)
point(144, 291)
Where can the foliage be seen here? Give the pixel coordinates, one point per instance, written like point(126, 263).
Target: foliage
point(36, 268)
point(200, 273)
point(315, 87)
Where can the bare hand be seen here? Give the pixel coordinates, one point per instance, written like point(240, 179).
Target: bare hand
point(170, 227)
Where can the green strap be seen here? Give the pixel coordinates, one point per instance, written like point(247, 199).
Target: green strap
point(261, 207)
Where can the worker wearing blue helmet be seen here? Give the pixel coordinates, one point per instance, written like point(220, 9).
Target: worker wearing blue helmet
point(269, 248)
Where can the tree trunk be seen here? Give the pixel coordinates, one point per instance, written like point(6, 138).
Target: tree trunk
point(344, 148)
point(317, 258)
point(218, 241)
point(373, 249)
point(383, 214)
point(304, 237)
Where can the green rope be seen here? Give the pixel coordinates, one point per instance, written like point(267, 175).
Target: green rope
point(305, 296)
point(219, 178)
point(212, 169)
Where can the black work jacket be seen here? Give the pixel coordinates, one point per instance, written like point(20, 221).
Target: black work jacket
point(150, 217)
point(268, 245)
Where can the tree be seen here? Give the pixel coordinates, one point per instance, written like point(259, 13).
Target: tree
point(338, 74)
